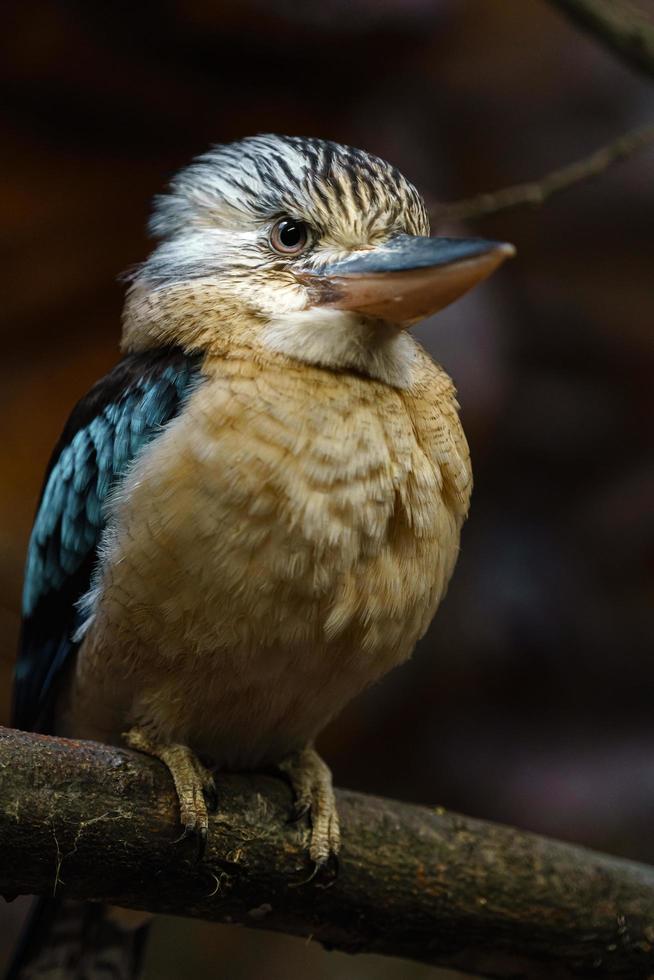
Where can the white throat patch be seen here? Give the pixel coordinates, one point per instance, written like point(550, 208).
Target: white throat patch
point(343, 340)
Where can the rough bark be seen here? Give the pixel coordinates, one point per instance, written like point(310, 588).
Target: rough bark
point(94, 822)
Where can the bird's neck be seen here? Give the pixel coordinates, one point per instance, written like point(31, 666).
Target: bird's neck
point(344, 341)
point(198, 317)
point(194, 315)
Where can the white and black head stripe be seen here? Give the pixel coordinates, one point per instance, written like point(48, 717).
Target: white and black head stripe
point(264, 176)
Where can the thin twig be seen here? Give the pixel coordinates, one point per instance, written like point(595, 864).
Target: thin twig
point(618, 26)
point(537, 192)
point(415, 882)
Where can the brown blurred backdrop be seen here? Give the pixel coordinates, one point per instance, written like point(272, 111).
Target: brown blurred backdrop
point(530, 700)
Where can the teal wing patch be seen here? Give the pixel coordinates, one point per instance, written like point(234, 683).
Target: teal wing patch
point(105, 432)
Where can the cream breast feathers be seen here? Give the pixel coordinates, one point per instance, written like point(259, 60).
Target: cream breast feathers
point(281, 481)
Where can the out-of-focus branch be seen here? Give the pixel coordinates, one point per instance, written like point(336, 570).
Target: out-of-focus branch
point(90, 821)
point(617, 25)
point(537, 192)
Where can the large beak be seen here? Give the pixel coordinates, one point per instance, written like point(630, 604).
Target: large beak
point(409, 278)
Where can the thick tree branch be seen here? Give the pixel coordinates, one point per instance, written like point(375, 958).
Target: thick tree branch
point(617, 25)
point(94, 822)
point(537, 192)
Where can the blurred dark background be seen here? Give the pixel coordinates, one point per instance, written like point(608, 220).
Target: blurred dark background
point(530, 700)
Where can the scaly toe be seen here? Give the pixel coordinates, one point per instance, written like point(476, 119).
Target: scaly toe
point(195, 822)
point(194, 783)
point(314, 795)
point(205, 779)
point(319, 850)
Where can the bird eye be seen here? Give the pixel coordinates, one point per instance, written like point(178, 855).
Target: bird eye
point(289, 236)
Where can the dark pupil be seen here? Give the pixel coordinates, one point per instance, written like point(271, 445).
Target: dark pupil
point(291, 233)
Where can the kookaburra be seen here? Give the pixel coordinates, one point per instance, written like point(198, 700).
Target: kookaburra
point(256, 513)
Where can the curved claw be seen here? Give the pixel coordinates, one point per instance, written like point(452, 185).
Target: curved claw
point(305, 881)
point(333, 865)
point(211, 795)
point(197, 834)
point(328, 864)
point(202, 836)
point(299, 811)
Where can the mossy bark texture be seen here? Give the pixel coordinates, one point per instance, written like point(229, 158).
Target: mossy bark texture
point(95, 822)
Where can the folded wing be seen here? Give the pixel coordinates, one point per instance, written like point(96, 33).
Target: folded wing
point(106, 431)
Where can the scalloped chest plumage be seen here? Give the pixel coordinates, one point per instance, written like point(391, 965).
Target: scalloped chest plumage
point(282, 544)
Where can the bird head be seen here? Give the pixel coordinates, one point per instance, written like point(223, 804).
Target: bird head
point(302, 246)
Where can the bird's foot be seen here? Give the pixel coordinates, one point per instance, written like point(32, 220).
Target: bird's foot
point(311, 780)
point(194, 784)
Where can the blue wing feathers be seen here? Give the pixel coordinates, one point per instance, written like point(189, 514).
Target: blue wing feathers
point(105, 432)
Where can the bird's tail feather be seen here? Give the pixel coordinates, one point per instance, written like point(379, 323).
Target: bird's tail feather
point(68, 940)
